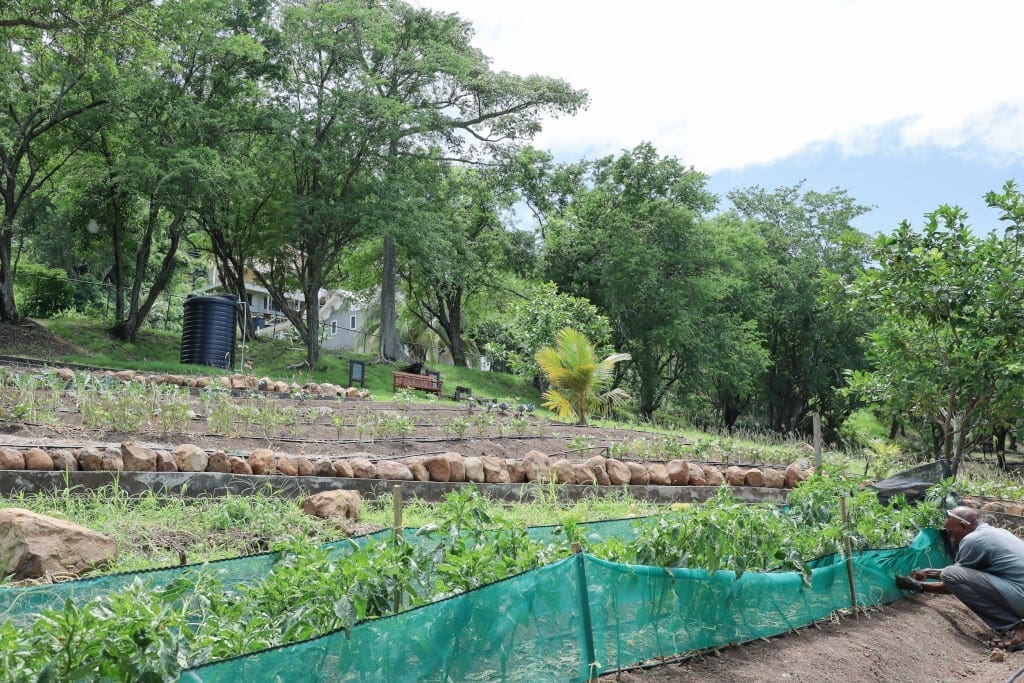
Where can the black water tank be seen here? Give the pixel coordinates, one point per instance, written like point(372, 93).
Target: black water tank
point(208, 331)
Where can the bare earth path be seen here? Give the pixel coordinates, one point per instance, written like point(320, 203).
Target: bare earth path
point(922, 638)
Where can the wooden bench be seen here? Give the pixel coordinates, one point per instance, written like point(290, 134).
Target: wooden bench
point(409, 380)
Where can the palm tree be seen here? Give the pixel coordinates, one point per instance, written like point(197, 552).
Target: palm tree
point(577, 379)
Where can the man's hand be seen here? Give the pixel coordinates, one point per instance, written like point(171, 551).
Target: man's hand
point(909, 583)
point(925, 574)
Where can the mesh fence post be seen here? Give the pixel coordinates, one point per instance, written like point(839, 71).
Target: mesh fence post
point(588, 629)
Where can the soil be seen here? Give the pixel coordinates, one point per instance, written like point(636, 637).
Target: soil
point(921, 638)
point(30, 339)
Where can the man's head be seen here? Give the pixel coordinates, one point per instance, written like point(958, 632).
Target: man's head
point(961, 521)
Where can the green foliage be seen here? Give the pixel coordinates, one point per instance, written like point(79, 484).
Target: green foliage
point(807, 257)
point(43, 292)
point(532, 322)
point(630, 240)
point(577, 379)
point(143, 633)
point(949, 345)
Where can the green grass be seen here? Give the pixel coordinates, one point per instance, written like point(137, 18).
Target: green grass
point(152, 529)
point(157, 351)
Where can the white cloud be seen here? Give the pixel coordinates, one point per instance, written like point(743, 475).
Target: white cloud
point(729, 83)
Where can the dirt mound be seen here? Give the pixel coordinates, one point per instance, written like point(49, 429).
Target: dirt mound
point(923, 638)
point(30, 339)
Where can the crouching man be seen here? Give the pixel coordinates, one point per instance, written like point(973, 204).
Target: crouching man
point(987, 576)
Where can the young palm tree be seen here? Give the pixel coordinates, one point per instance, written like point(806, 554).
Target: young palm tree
point(577, 379)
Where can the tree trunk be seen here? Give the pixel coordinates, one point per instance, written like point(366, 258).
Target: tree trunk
point(8, 309)
point(390, 345)
point(312, 326)
point(1000, 446)
point(128, 329)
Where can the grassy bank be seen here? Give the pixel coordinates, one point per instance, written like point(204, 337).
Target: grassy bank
point(157, 351)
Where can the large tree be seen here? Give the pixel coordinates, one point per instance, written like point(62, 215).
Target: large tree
point(367, 86)
point(53, 83)
point(631, 240)
point(462, 254)
point(434, 89)
point(811, 331)
point(950, 344)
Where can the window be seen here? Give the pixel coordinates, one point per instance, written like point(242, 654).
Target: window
point(351, 322)
point(334, 327)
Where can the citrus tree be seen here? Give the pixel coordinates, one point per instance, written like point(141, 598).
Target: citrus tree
point(951, 335)
point(579, 383)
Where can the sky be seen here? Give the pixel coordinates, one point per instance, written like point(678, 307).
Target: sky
point(906, 104)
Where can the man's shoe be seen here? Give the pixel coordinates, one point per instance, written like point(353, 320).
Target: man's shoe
point(909, 583)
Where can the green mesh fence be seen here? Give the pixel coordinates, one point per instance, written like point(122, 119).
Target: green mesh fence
point(23, 605)
point(525, 628)
point(577, 617)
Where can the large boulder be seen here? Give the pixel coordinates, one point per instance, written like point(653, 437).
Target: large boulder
point(33, 546)
point(678, 472)
point(562, 472)
point(262, 461)
point(343, 468)
point(618, 472)
point(190, 458)
point(90, 459)
point(456, 466)
point(638, 474)
point(286, 466)
point(362, 468)
point(417, 468)
point(165, 462)
point(303, 466)
point(659, 474)
point(475, 470)
point(38, 459)
point(582, 474)
point(774, 479)
point(393, 471)
point(337, 504)
point(754, 477)
point(239, 465)
point(792, 476)
point(138, 458)
point(111, 460)
point(537, 466)
point(598, 466)
point(322, 467)
point(11, 459)
point(516, 470)
point(734, 475)
point(495, 470)
point(438, 468)
point(218, 462)
point(712, 476)
point(64, 461)
point(696, 475)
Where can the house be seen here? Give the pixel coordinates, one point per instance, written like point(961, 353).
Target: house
point(342, 314)
point(342, 322)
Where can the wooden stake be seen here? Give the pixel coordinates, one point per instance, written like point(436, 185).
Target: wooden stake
point(816, 426)
point(396, 499)
point(849, 556)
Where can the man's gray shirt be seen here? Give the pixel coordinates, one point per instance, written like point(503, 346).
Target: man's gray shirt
point(1000, 554)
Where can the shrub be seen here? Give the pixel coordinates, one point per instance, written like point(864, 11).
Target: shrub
point(44, 292)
